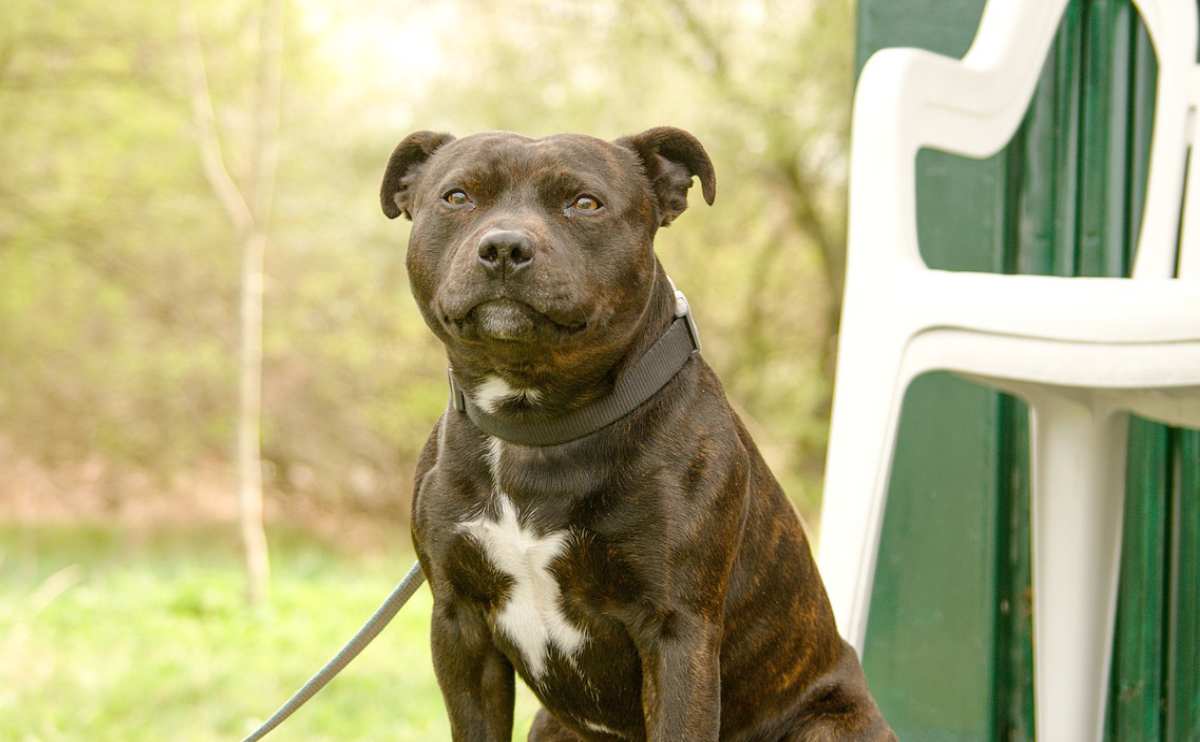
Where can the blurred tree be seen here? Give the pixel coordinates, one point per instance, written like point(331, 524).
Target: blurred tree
point(118, 353)
point(248, 208)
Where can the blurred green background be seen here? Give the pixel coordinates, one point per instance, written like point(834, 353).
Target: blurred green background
point(136, 135)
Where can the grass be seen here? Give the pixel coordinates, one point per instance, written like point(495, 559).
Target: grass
point(106, 636)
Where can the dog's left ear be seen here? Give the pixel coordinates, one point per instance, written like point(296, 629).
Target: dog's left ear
point(395, 195)
point(672, 157)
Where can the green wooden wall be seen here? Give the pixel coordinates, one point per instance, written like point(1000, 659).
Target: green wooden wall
point(948, 652)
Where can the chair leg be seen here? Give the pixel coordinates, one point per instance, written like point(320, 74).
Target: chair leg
point(867, 399)
point(1078, 462)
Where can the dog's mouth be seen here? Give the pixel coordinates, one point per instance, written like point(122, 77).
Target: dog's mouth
point(509, 320)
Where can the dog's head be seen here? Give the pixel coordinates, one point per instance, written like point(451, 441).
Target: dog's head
point(538, 254)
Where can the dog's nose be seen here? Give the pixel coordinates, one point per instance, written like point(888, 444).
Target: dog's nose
point(503, 252)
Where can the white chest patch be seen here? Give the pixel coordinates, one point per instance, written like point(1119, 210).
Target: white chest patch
point(495, 390)
point(531, 618)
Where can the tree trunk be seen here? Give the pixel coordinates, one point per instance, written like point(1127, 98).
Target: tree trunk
point(248, 210)
point(249, 452)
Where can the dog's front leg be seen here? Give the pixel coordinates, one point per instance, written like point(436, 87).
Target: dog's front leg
point(476, 679)
point(681, 678)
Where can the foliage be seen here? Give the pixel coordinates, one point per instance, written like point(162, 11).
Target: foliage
point(118, 269)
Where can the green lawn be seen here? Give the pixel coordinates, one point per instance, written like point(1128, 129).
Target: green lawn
point(105, 636)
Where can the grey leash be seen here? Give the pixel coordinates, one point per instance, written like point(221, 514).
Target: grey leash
point(369, 631)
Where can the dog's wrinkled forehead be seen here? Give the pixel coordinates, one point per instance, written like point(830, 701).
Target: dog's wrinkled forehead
point(564, 165)
point(654, 168)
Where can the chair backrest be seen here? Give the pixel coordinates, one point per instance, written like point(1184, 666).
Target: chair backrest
point(980, 102)
point(908, 99)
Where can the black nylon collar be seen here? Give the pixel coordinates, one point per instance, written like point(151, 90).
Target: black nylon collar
point(651, 372)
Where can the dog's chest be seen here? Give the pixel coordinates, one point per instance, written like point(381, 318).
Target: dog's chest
point(530, 611)
point(531, 615)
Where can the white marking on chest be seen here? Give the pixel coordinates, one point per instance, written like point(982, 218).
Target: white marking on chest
point(494, 390)
point(531, 618)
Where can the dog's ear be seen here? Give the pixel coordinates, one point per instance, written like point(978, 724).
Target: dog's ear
point(404, 169)
point(672, 157)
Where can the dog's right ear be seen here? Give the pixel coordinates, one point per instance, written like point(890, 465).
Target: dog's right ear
point(404, 169)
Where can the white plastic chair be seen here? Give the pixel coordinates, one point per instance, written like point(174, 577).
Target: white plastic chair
point(1082, 352)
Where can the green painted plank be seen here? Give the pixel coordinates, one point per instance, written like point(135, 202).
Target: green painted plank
point(1122, 20)
point(929, 656)
point(1135, 708)
point(1104, 133)
point(1014, 648)
point(1183, 646)
point(1067, 87)
point(1033, 194)
point(937, 25)
point(961, 212)
point(1144, 81)
point(1137, 690)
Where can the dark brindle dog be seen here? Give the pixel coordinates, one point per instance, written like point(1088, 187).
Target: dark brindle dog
point(590, 512)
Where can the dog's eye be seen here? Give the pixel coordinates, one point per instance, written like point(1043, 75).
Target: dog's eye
point(457, 197)
point(587, 203)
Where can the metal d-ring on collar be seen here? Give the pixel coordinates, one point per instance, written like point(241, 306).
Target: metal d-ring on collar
point(652, 371)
